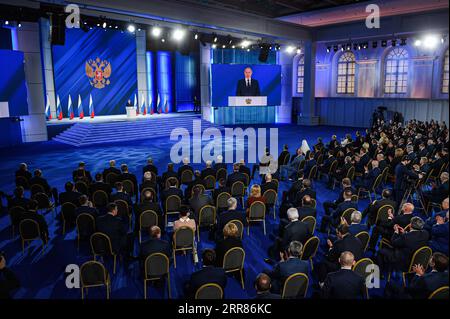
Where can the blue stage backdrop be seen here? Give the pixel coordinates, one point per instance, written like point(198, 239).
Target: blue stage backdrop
point(110, 89)
point(224, 78)
point(12, 82)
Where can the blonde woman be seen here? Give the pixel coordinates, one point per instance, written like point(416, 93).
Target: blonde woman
point(255, 196)
point(230, 240)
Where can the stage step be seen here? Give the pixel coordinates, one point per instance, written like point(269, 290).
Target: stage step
point(84, 134)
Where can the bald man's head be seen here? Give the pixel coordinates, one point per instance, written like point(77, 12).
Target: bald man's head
point(347, 259)
point(262, 283)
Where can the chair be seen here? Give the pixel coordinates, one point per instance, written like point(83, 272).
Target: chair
point(85, 227)
point(372, 189)
point(29, 230)
point(183, 240)
point(156, 266)
point(440, 294)
point(14, 215)
point(209, 291)
point(67, 210)
point(128, 186)
point(233, 261)
point(172, 206)
point(384, 175)
point(350, 174)
point(420, 257)
point(383, 213)
point(355, 198)
point(206, 217)
point(94, 274)
point(147, 219)
point(312, 173)
point(364, 237)
point(239, 226)
point(82, 187)
point(257, 213)
point(360, 268)
point(100, 198)
point(222, 201)
point(124, 211)
point(310, 249)
point(247, 180)
point(221, 173)
point(22, 181)
point(310, 221)
point(44, 202)
point(199, 186)
point(101, 246)
point(331, 169)
point(271, 200)
point(301, 165)
point(177, 182)
point(111, 178)
point(347, 214)
point(295, 286)
point(186, 177)
point(36, 188)
point(209, 182)
point(238, 191)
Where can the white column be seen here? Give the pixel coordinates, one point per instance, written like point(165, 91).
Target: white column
point(48, 64)
point(205, 85)
point(34, 126)
point(284, 111)
point(141, 66)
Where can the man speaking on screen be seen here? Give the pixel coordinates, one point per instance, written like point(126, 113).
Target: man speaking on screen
point(248, 86)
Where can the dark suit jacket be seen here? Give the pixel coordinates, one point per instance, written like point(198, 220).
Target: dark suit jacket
point(150, 168)
point(109, 170)
point(348, 243)
point(308, 166)
point(41, 181)
point(168, 192)
point(208, 171)
point(43, 227)
point(305, 211)
point(100, 186)
point(114, 228)
point(220, 190)
point(267, 295)
point(375, 206)
point(197, 202)
point(243, 90)
point(344, 284)
point(342, 207)
point(86, 210)
point(9, 282)
point(354, 229)
point(81, 174)
point(154, 245)
point(421, 287)
point(69, 197)
point(184, 168)
point(205, 276)
point(21, 202)
point(295, 231)
point(235, 177)
point(406, 244)
point(227, 216)
point(286, 268)
point(223, 246)
point(122, 196)
point(267, 186)
point(130, 177)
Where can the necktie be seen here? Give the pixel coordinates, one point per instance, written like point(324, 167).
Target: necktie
point(248, 83)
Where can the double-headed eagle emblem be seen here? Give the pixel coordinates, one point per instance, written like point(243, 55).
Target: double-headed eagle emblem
point(98, 72)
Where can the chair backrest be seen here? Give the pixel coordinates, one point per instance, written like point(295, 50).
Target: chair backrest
point(100, 198)
point(271, 196)
point(247, 179)
point(222, 200)
point(173, 203)
point(29, 229)
point(351, 173)
point(420, 257)
point(312, 172)
point(14, 214)
point(92, 274)
point(347, 214)
point(111, 178)
point(257, 211)
point(310, 248)
point(68, 209)
point(239, 225)
point(209, 291)
point(383, 213)
point(148, 219)
point(173, 178)
point(333, 166)
point(313, 203)
point(207, 216)
point(221, 173)
point(295, 286)
point(440, 294)
point(238, 189)
point(320, 159)
point(156, 265)
point(122, 208)
point(364, 237)
point(82, 187)
point(148, 189)
point(128, 186)
point(101, 244)
point(85, 225)
point(183, 237)
point(360, 267)
point(187, 176)
point(43, 200)
point(310, 221)
point(36, 188)
point(210, 182)
point(355, 198)
point(384, 173)
point(234, 259)
point(301, 165)
point(377, 182)
point(286, 159)
point(200, 186)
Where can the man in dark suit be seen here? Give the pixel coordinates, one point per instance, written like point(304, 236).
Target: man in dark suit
point(81, 174)
point(310, 163)
point(111, 225)
point(70, 195)
point(146, 204)
point(248, 86)
point(199, 200)
point(168, 174)
point(307, 208)
point(263, 285)
point(368, 179)
point(345, 242)
point(328, 206)
point(39, 180)
point(120, 194)
point(269, 184)
point(344, 283)
point(372, 210)
point(290, 264)
point(185, 167)
point(24, 172)
point(155, 245)
point(8, 280)
point(222, 188)
point(218, 164)
point(19, 199)
point(306, 190)
point(236, 176)
point(99, 185)
point(355, 226)
point(126, 175)
point(231, 214)
point(404, 245)
point(335, 216)
point(439, 192)
point(111, 169)
point(243, 168)
point(85, 207)
point(424, 284)
point(208, 274)
point(402, 172)
point(208, 170)
point(150, 167)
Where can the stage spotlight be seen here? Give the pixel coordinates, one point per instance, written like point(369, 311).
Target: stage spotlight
point(214, 46)
point(224, 46)
point(19, 24)
point(196, 36)
point(342, 48)
point(384, 43)
point(233, 47)
point(349, 46)
point(156, 32)
point(131, 28)
point(328, 49)
point(417, 43)
point(163, 40)
point(299, 51)
point(290, 49)
point(430, 41)
point(178, 34)
point(6, 22)
point(104, 25)
point(374, 44)
point(248, 50)
point(215, 38)
point(245, 43)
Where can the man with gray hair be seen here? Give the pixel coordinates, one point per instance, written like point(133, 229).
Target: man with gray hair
point(150, 167)
point(404, 244)
point(290, 264)
point(185, 167)
point(208, 170)
point(344, 283)
point(439, 192)
point(355, 226)
point(219, 163)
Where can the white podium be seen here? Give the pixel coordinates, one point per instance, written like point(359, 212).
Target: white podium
point(247, 101)
point(131, 111)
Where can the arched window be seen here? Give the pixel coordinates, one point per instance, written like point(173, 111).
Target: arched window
point(445, 78)
point(346, 74)
point(396, 71)
point(300, 74)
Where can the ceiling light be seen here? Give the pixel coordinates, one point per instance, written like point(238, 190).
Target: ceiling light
point(156, 32)
point(131, 28)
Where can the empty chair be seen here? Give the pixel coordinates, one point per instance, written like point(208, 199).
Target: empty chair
point(147, 219)
point(295, 286)
point(233, 261)
point(156, 267)
point(94, 274)
point(257, 213)
point(183, 240)
point(29, 230)
point(14, 215)
point(172, 206)
point(206, 217)
point(271, 200)
point(440, 294)
point(310, 221)
point(85, 227)
point(222, 201)
point(101, 246)
point(67, 214)
point(209, 291)
point(238, 191)
point(310, 249)
point(364, 237)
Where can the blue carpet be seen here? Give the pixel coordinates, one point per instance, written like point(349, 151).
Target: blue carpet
point(42, 276)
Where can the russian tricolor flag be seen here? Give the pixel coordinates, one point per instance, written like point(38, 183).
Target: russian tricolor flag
point(48, 112)
point(91, 107)
point(58, 108)
point(80, 107)
point(70, 108)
